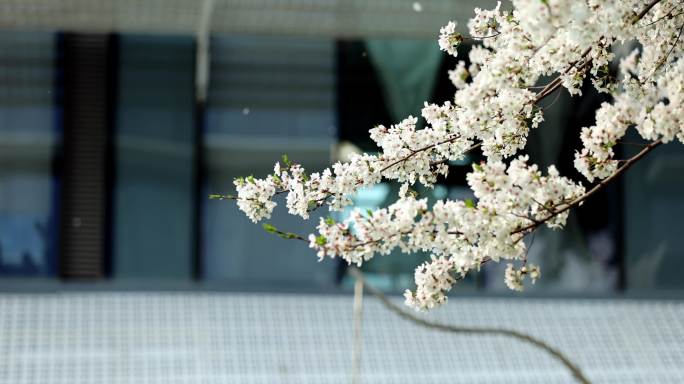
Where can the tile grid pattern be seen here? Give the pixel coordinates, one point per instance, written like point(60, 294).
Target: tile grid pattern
point(329, 18)
point(170, 338)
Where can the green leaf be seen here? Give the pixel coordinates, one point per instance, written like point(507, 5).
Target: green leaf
point(250, 179)
point(269, 228)
point(222, 197)
point(286, 160)
point(477, 167)
point(369, 212)
point(469, 203)
point(329, 220)
point(321, 240)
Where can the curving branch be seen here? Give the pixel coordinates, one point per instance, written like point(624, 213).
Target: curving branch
point(493, 331)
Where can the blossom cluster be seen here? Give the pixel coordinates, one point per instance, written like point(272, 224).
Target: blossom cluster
point(496, 104)
point(460, 234)
point(647, 97)
point(427, 149)
point(514, 277)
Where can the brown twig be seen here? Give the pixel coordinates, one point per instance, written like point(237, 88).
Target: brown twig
point(628, 163)
point(646, 9)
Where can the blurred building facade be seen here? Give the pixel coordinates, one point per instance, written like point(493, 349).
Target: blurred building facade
point(107, 159)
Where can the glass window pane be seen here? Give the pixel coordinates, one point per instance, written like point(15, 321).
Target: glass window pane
point(27, 143)
point(654, 208)
point(153, 191)
point(268, 96)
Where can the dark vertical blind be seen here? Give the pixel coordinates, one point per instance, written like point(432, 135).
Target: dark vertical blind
point(86, 65)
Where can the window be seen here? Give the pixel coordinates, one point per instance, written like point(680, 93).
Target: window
point(267, 95)
point(28, 138)
point(154, 149)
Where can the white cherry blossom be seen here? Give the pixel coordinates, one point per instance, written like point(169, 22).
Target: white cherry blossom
point(495, 105)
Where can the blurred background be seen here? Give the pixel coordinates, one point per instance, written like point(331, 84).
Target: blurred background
point(119, 118)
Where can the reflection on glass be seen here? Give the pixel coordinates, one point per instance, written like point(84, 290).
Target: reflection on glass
point(153, 190)
point(27, 144)
point(267, 96)
point(654, 208)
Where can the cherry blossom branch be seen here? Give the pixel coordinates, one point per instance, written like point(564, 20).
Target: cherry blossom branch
point(669, 14)
point(425, 148)
point(321, 201)
point(496, 110)
point(475, 38)
point(556, 83)
point(669, 52)
point(355, 246)
point(327, 194)
point(627, 164)
point(646, 9)
point(255, 199)
point(282, 234)
point(493, 331)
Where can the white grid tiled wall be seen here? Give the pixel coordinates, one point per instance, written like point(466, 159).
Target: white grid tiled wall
point(146, 338)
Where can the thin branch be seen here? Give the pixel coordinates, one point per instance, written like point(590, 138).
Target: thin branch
point(542, 205)
point(425, 148)
point(443, 161)
point(494, 331)
point(628, 163)
point(282, 234)
point(358, 336)
point(553, 85)
point(547, 90)
point(668, 15)
point(644, 11)
point(553, 212)
point(527, 251)
point(481, 37)
point(557, 82)
point(641, 145)
point(572, 367)
point(669, 52)
point(555, 99)
point(216, 196)
point(320, 202)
